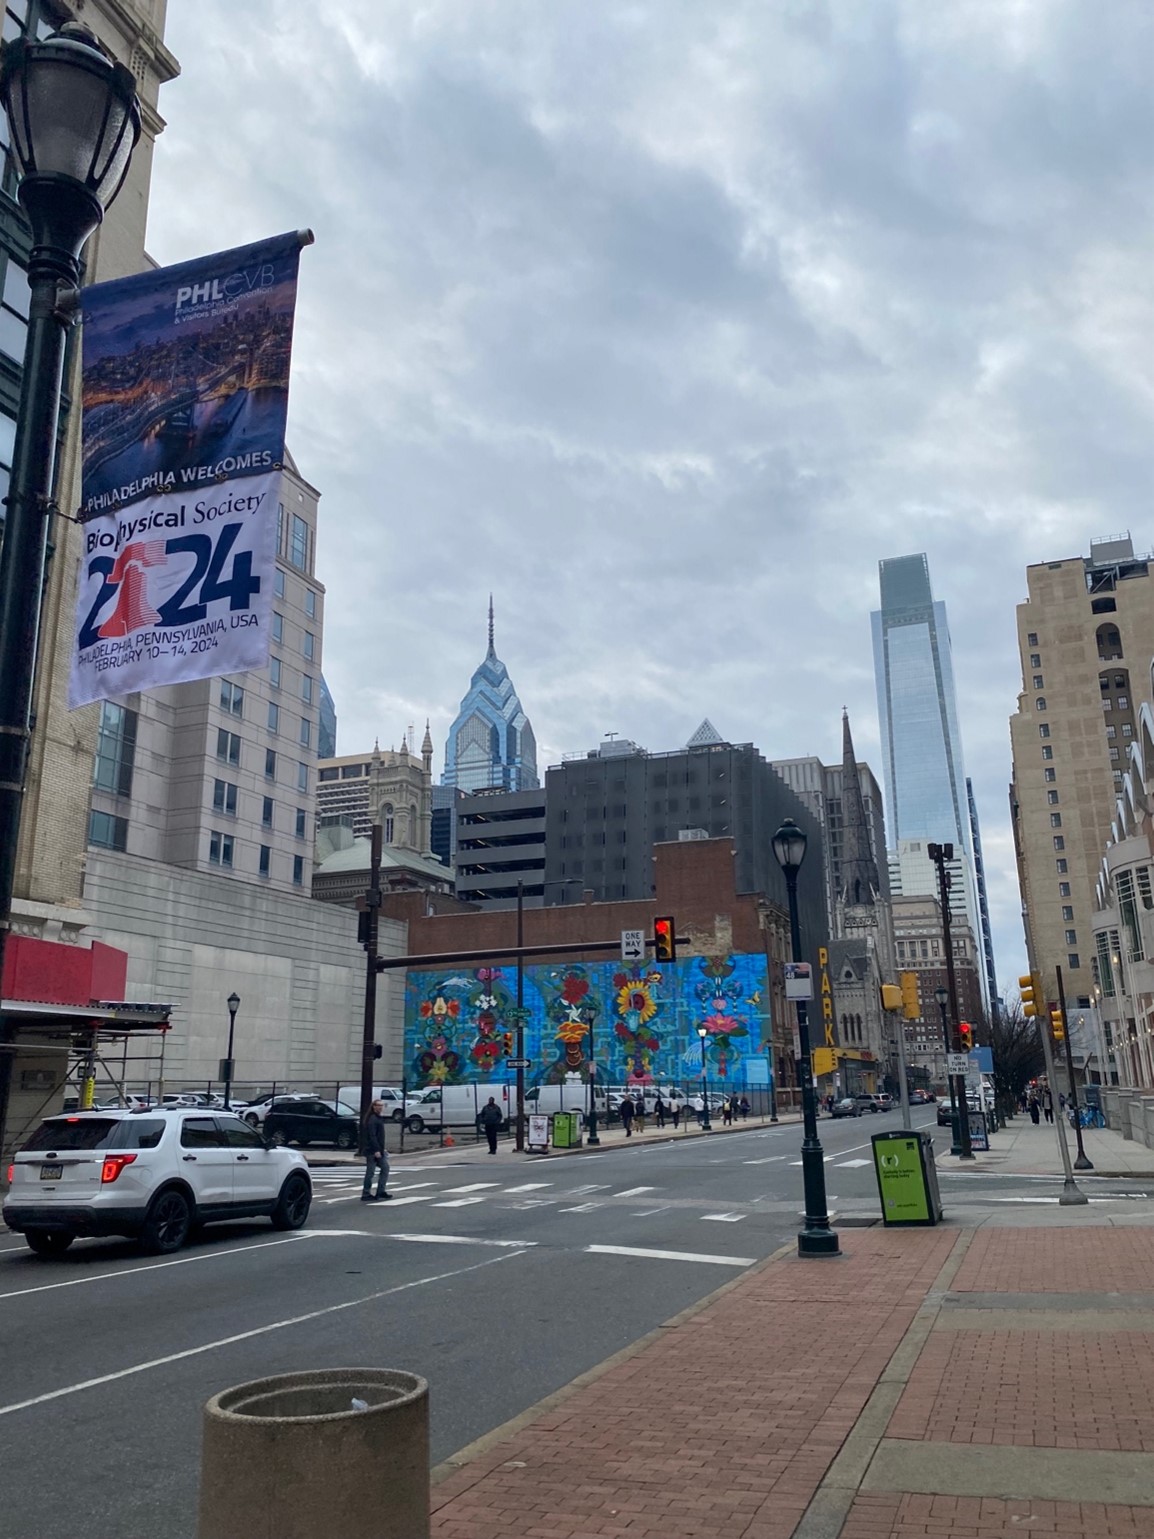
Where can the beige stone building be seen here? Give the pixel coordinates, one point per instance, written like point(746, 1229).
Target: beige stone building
point(1085, 636)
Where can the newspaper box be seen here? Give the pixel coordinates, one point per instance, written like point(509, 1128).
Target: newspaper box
point(907, 1178)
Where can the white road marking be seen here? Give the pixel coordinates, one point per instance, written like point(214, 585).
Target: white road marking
point(530, 1186)
point(669, 1255)
point(477, 1186)
point(585, 1207)
point(577, 1191)
point(459, 1239)
point(772, 1160)
point(850, 1164)
point(260, 1330)
point(722, 1218)
point(461, 1202)
point(400, 1202)
point(649, 1212)
point(635, 1191)
point(155, 1266)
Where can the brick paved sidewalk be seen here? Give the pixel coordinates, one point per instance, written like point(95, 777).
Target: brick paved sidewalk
point(951, 1383)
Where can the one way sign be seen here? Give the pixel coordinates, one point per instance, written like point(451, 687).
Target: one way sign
point(633, 945)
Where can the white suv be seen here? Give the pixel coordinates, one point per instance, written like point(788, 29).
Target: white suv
point(151, 1175)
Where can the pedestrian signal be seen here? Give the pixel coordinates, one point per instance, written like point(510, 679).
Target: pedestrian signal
point(1058, 1025)
point(911, 997)
point(1030, 990)
point(664, 941)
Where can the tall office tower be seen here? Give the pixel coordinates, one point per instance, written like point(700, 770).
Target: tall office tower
point(983, 900)
point(1086, 637)
point(327, 724)
point(491, 744)
point(219, 776)
point(921, 744)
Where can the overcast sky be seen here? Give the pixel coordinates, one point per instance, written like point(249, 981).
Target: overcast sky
point(667, 319)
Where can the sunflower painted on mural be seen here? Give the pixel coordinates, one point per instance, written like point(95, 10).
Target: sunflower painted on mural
point(719, 997)
point(571, 1009)
point(637, 1004)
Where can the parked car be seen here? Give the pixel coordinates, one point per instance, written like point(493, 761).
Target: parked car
point(307, 1120)
point(846, 1107)
point(149, 1176)
point(255, 1111)
point(946, 1110)
point(883, 1101)
point(866, 1103)
point(397, 1103)
point(919, 1098)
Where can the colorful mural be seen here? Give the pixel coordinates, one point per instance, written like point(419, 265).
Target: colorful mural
point(643, 1022)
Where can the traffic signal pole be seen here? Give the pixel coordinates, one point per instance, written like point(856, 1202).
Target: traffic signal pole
point(1033, 1004)
point(939, 854)
point(1082, 1162)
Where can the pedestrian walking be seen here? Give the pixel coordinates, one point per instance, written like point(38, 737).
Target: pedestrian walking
point(677, 1114)
point(1048, 1105)
point(726, 1112)
point(627, 1115)
point(491, 1120)
point(639, 1113)
point(1035, 1110)
point(376, 1156)
point(743, 1108)
point(659, 1111)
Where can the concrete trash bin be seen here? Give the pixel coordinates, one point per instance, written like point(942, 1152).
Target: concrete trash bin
point(289, 1458)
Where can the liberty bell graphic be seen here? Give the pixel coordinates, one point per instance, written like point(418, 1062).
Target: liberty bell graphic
point(133, 611)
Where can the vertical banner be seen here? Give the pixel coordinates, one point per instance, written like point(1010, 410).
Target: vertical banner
point(185, 397)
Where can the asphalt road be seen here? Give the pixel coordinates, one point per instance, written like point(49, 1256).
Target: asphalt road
point(499, 1280)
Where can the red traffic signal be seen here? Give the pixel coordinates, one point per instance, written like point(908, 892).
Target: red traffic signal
point(664, 940)
point(966, 1032)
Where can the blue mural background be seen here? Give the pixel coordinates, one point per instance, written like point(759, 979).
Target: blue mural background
point(645, 1022)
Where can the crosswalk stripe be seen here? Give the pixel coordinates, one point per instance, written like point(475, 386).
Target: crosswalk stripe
point(530, 1186)
point(850, 1164)
point(585, 1207)
point(722, 1218)
point(399, 1202)
point(461, 1202)
point(477, 1186)
point(773, 1158)
point(668, 1255)
point(635, 1191)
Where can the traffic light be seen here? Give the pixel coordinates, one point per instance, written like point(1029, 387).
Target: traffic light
point(664, 941)
point(1058, 1024)
point(891, 997)
point(1030, 988)
point(966, 1033)
point(911, 996)
point(507, 1044)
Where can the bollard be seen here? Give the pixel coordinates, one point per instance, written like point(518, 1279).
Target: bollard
point(289, 1458)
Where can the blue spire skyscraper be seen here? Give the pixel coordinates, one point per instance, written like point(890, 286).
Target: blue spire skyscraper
point(491, 743)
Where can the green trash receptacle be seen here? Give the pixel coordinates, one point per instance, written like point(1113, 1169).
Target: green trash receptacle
point(907, 1178)
point(567, 1130)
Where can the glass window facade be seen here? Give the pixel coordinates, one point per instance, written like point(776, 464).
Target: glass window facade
point(106, 831)
point(115, 749)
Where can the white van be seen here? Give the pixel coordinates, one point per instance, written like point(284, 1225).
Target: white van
point(396, 1104)
point(458, 1106)
point(546, 1099)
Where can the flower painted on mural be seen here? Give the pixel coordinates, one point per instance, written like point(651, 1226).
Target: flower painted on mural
point(574, 989)
point(440, 1006)
point(486, 1023)
point(486, 1052)
point(636, 998)
point(488, 974)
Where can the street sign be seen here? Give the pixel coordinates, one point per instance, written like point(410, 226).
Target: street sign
point(798, 980)
point(633, 945)
point(519, 1063)
point(957, 1063)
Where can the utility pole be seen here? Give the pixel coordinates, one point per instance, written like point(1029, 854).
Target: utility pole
point(1083, 1162)
point(939, 854)
point(520, 1139)
point(369, 929)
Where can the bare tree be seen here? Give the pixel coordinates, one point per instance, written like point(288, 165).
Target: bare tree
point(1017, 1050)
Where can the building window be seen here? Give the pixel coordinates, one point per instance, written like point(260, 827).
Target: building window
point(265, 859)
point(1052, 796)
point(220, 848)
point(1127, 729)
point(278, 584)
point(1044, 729)
point(1063, 889)
point(307, 688)
point(269, 764)
point(1067, 911)
point(1040, 702)
point(1032, 639)
point(1059, 843)
point(298, 870)
point(309, 646)
point(1051, 774)
point(298, 552)
point(266, 812)
point(277, 626)
point(387, 821)
point(107, 832)
point(115, 749)
point(300, 825)
point(1114, 756)
point(1061, 865)
point(310, 603)
point(279, 528)
point(273, 716)
point(1038, 684)
point(1123, 703)
point(274, 672)
point(1071, 937)
point(231, 698)
point(1107, 704)
point(1047, 751)
point(902, 950)
point(1072, 961)
point(1055, 820)
point(224, 797)
point(14, 303)
point(1111, 730)
point(227, 746)
point(1035, 659)
point(306, 732)
point(302, 777)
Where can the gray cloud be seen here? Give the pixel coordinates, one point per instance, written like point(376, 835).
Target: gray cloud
point(667, 322)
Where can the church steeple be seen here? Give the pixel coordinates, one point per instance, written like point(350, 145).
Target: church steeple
point(858, 883)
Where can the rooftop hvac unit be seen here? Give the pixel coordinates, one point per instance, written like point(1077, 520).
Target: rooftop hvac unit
point(693, 833)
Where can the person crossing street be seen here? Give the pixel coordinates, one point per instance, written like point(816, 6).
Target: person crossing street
point(376, 1156)
point(491, 1119)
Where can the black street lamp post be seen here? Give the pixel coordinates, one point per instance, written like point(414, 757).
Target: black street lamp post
point(706, 1125)
point(233, 1003)
point(74, 122)
point(942, 995)
point(816, 1238)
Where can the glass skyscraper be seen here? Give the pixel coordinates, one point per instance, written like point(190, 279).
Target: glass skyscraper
point(921, 746)
point(491, 744)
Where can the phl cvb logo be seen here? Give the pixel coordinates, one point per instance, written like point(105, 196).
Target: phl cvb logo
point(223, 291)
